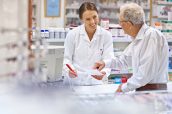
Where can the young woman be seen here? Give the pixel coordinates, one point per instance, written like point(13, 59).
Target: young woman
point(85, 45)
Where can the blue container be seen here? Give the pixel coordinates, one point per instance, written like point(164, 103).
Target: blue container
point(117, 80)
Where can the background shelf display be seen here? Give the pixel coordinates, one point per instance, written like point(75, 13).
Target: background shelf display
point(115, 40)
point(107, 10)
point(160, 11)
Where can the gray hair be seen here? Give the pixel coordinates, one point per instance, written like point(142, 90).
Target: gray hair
point(133, 12)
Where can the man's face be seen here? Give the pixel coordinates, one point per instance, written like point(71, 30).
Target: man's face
point(126, 25)
point(90, 19)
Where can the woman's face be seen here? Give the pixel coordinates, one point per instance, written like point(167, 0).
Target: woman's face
point(90, 19)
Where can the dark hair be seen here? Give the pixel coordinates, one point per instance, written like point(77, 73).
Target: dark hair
point(86, 6)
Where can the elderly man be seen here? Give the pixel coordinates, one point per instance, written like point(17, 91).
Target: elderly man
point(147, 54)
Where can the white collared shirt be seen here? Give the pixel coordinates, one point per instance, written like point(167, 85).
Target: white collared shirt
point(81, 53)
point(148, 57)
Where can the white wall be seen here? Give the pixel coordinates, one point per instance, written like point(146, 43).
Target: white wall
point(55, 21)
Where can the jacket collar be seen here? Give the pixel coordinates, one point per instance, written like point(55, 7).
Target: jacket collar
point(84, 33)
point(141, 32)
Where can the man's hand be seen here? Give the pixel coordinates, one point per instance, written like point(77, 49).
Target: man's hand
point(100, 77)
point(99, 65)
point(119, 88)
point(72, 74)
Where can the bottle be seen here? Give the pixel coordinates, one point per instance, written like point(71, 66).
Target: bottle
point(117, 80)
point(62, 33)
point(56, 34)
point(42, 34)
point(123, 79)
point(46, 33)
point(51, 33)
point(158, 26)
point(105, 23)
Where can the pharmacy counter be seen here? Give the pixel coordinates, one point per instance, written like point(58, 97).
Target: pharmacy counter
point(49, 98)
point(110, 89)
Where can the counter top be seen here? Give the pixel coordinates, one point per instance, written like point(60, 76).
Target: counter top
point(99, 99)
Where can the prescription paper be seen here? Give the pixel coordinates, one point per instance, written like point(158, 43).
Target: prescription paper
point(94, 72)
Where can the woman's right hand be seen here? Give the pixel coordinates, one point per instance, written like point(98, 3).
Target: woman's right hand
point(72, 74)
point(99, 65)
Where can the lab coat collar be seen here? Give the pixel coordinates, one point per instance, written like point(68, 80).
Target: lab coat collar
point(141, 32)
point(83, 32)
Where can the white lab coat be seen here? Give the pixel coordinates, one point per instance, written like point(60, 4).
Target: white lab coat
point(81, 53)
point(148, 57)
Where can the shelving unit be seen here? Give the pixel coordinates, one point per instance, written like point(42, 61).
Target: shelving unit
point(107, 10)
point(159, 11)
point(159, 14)
point(115, 40)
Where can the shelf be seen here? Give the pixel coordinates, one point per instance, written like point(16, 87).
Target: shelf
point(109, 7)
point(121, 39)
point(127, 72)
point(160, 17)
point(48, 47)
point(54, 40)
point(117, 7)
point(169, 70)
point(118, 72)
point(129, 40)
point(72, 7)
point(146, 9)
point(72, 16)
point(115, 40)
point(164, 3)
point(109, 17)
point(105, 8)
point(169, 40)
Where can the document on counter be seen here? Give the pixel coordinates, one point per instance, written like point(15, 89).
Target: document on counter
point(94, 72)
point(88, 71)
point(96, 89)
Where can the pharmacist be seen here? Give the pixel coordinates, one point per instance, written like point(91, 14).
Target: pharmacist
point(85, 45)
point(147, 54)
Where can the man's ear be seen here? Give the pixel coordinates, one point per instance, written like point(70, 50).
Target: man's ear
point(129, 23)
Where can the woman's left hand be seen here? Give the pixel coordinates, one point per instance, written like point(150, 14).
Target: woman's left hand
point(99, 77)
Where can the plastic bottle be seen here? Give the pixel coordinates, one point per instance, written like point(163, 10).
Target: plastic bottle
point(46, 33)
point(42, 34)
point(123, 79)
point(51, 33)
point(104, 23)
point(158, 26)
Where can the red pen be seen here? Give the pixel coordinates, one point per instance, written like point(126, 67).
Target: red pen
point(70, 68)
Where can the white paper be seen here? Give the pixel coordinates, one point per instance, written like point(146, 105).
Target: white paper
point(96, 89)
point(94, 72)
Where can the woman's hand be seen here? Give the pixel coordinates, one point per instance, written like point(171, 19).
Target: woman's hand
point(72, 74)
point(99, 65)
point(99, 77)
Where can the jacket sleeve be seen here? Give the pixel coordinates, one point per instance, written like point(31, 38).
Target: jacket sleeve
point(108, 53)
point(69, 46)
point(124, 60)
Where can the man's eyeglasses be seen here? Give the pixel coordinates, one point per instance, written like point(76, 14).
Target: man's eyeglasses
point(125, 21)
point(122, 21)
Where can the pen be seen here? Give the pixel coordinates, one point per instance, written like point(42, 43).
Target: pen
point(70, 68)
